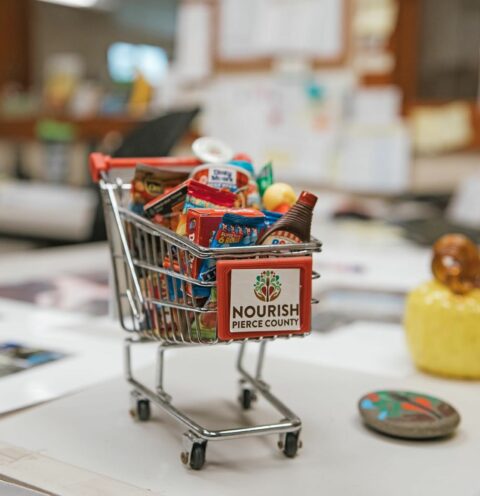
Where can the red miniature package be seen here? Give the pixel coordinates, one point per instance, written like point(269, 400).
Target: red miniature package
point(203, 222)
point(204, 196)
point(167, 209)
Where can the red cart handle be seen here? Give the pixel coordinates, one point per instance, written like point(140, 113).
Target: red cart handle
point(103, 163)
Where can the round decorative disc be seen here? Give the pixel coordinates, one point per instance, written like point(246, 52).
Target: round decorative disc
point(408, 415)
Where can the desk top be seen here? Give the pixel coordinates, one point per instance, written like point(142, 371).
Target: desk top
point(93, 430)
point(320, 378)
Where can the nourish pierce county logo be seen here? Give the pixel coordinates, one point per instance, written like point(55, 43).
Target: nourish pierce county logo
point(267, 286)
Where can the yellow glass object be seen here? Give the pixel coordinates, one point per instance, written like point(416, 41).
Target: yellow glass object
point(443, 330)
point(140, 96)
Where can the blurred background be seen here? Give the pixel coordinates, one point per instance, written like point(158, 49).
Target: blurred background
point(373, 103)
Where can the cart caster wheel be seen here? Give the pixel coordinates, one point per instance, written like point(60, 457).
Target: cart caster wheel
point(197, 456)
point(143, 410)
point(196, 460)
point(247, 397)
point(290, 444)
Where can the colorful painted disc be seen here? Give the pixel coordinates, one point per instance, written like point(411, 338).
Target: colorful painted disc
point(408, 415)
point(212, 150)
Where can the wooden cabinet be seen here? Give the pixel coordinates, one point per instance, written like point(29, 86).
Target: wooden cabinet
point(15, 42)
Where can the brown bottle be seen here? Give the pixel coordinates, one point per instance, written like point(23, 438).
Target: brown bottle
point(294, 226)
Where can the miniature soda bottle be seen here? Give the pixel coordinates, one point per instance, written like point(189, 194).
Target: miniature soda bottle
point(295, 225)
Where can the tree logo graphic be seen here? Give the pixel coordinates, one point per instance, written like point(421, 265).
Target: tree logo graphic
point(267, 286)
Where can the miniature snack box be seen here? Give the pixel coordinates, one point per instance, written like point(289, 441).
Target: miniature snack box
point(202, 223)
point(150, 182)
point(190, 193)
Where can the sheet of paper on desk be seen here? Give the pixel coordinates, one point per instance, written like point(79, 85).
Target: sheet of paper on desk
point(90, 350)
point(83, 293)
point(16, 357)
point(7, 489)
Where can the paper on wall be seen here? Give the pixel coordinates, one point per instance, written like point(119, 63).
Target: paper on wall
point(193, 41)
point(441, 129)
point(274, 119)
point(375, 18)
point(260, 28)
point(374, 159)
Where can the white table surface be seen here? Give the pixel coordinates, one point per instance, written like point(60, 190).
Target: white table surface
point(321, 378)
point(48, 262)
point(93, 430)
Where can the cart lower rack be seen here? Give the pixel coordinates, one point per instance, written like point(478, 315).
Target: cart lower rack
point(260, 293)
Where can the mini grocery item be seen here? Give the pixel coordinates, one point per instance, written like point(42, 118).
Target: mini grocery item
point(203, 196)
point(222, 176)
point(265, 290)
point(244, 164)
point(294, 226)
point(278, 195)
point(233, 231)
point(206, 323)
point(243, 157)
point(271, 217)
point(442, 316)
point(265, 178)
point(238, 230)
point(283, 208)
point(151, 182)
point(187, 195)
point(212, 150)
point(235, 176)
point(408, 415)
point(164, 209)
point(231, 178)
point(252, 196)
point(202, 223)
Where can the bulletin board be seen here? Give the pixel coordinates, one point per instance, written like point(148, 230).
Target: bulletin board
point(250, 34)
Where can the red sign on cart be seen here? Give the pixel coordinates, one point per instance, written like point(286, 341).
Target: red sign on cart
point(264, 297)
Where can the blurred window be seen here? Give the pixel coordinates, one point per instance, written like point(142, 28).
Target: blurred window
point(126, 59)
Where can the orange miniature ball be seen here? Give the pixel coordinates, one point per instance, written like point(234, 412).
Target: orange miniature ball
point(283, 208)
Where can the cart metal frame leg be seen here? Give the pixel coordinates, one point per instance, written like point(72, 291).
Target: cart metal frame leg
point(195, 439)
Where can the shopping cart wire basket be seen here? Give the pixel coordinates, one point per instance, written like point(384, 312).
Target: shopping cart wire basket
point(260, 293)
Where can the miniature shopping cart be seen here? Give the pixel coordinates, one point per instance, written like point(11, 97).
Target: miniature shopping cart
point(262, 293)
